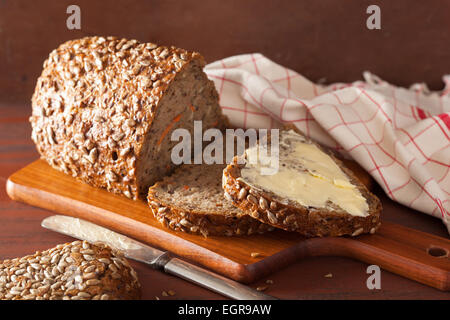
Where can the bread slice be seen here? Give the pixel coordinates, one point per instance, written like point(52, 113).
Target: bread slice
point(191, 200)
point(312, 193)
point(104, 110)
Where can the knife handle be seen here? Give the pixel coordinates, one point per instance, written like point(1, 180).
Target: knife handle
point(214, 282)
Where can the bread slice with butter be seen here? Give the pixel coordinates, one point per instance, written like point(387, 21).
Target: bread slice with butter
point(311, 192)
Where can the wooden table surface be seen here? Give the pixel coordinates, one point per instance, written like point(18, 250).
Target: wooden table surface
point(21, 234)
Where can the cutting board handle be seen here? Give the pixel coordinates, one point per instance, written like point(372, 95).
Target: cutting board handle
point(407, 252)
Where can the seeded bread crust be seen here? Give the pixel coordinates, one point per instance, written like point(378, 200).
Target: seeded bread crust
point(200, 180)
point(94, 106)
point(311, 222)
point(71, 271)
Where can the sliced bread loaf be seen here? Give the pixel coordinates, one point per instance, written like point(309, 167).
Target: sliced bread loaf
point(104, 110)
point(312, 192)
point(191, 200)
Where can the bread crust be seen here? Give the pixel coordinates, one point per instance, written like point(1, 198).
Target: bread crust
point(94, 105)
point(204, 224)
point(310, 222)
point(71, 271)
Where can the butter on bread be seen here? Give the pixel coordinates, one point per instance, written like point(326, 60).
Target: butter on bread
point(312, 192)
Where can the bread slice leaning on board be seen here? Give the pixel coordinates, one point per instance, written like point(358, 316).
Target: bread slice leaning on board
point(191, 200)
point(104, 110)
point(312, 193)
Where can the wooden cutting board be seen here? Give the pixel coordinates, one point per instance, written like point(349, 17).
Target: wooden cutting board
point(413, 254)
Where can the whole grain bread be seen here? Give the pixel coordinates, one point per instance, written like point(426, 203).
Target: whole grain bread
point(72, 271)
point(191, 200)
point(104, 110)
point(289, 215)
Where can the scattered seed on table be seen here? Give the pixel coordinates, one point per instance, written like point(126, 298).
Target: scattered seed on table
point(261, 288)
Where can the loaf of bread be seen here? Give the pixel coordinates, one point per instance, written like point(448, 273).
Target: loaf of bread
point(104, 110)
point(191, 200)
point(72, 271)
point(312, 192)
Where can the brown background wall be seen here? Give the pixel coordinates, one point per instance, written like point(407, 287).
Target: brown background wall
point(320, 39)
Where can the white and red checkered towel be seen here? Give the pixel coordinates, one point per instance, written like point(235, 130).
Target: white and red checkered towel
point(400, 136)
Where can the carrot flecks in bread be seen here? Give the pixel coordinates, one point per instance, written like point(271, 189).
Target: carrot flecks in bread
point(168, 128)
point(191, 200)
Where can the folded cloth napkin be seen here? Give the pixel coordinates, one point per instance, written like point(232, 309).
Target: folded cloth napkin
point(400, 136)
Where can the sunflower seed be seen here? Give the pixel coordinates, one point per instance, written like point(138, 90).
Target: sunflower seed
point(93, 282)
point(242, 193)
point(227, 196)
point(185, 223)
point(289, 219)
point(271, 217)
point(162, 209)
point(111, 176)
point(263, 203)
point(90, 275)
point(273, 205)
point(255, 214)
point(261, 288)
point(357, 232)
point(252, 199)
point(118, 136)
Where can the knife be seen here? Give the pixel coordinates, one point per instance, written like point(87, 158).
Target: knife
point(157, 259)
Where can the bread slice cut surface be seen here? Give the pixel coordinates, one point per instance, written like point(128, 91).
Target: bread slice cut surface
point(192, 200)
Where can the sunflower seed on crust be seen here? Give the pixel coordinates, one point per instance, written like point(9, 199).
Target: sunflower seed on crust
point(64, 272)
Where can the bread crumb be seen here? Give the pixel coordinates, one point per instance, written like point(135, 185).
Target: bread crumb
point(156, 298)
point(171, 292)
point(261, 288)
point(268, 281)
point(328, 275)
point(164, 294)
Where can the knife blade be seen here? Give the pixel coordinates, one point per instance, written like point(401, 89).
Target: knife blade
point(157, 259)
